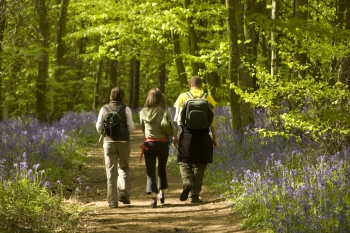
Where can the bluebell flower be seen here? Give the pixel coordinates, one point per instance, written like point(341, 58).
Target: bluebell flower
point(47, 184)
point(79, 180)
point(36, 166)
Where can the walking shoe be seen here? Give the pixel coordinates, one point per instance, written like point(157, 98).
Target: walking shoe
point(195, 199)
point(125, 200)
point(112, 206)
point(186, 190)
point(154, 202)
point(161, 197)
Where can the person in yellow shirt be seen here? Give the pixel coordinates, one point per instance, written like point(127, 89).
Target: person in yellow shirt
point(195, 146)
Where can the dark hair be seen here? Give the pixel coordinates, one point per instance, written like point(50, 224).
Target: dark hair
point(155, 98)
point(196, 81)
point(117, 94)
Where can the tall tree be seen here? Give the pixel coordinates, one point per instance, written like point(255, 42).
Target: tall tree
point(193, 37)
point(274, 42)
point(113, 72)
point(136, 84)
point(213, 80)
point(131, 80)
point(242, 113)
point(60, 50)
point(233, 75)
point(251, 35)
point(162, 70)
point(345, 74)
point(301, 13)
point(180, 67)
point(97, 84)
point(43, 63)
point(2, 29)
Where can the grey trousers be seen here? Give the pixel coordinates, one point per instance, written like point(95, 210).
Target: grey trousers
point(193, 174)
point(116, 156)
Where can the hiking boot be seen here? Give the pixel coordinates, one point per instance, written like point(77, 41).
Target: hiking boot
point(186, 190)
point(124, 200)
point(195, 199)
point(154, 202)
point(161, 197)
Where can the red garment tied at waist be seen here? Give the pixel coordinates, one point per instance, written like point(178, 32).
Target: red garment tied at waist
point(143, 147)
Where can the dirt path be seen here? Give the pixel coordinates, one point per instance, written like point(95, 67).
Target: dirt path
point(213, 215)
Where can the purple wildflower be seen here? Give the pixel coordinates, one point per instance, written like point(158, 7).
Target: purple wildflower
point(47, 184)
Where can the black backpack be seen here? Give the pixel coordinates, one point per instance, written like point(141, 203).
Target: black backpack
point(196, 113)
point(113, 124)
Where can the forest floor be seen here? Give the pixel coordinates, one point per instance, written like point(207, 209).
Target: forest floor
point(212, 215)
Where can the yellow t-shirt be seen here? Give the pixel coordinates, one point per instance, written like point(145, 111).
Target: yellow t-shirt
point(196, 94)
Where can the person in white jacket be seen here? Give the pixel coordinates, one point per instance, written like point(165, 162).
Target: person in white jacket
point(117, 151)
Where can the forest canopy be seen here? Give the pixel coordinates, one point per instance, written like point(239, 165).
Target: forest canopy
point(288, 58)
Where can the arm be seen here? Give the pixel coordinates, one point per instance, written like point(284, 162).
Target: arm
point(213, 133)
point(99, 123)
point(175, 139)
point(129, 122)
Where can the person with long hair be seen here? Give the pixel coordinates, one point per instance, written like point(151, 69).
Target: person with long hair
point(156, 144)
point(117, 151)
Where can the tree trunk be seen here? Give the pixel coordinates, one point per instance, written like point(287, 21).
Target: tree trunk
point(233, 75)
point(213, 81)
point(2, 29)
point(131, 81)
point(251, 34)
point(245, 80)
point(78, 65)
point(136, 86)
point(193, 39)
point(303, 15)
point(162, 70)
point(162, 77)
point(345, 76)
point(43, 63)
point(180, 68)
point(274, 51)
point(242, 114)
point(97, 85)
point(59, 106)
point(113, 72)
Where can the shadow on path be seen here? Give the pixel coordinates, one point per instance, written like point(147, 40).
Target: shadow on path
point(212, 215)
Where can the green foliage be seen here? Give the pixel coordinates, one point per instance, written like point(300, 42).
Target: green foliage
point(25, 205)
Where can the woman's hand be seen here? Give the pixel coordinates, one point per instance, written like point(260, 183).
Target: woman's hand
point(175, 142)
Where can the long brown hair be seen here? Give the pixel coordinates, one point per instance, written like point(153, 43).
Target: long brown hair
point(155, 98)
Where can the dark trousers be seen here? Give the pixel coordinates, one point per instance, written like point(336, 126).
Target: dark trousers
point(192, 175)
point(156, 150)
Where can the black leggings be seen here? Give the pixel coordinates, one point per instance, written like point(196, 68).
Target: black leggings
point(156, 150)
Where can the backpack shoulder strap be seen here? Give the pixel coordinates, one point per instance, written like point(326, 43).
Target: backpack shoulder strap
point(190, 95)
point(119, 108)
point(204, 96)
point(108, 108)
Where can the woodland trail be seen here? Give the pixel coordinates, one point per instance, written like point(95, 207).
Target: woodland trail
point(213, 215)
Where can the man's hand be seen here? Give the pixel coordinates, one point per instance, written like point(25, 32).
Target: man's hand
point(215, 143)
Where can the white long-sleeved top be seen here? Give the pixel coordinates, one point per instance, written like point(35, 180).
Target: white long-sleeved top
point(129, 122)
